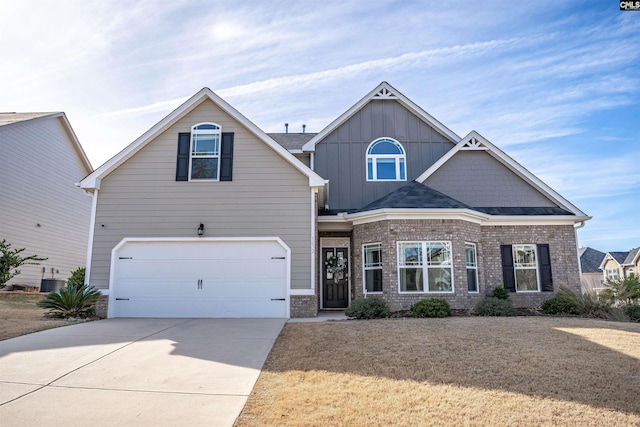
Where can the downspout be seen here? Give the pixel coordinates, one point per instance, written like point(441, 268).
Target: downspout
point(575, 231)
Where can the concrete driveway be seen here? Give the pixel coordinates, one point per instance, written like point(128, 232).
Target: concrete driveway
point(155, 372)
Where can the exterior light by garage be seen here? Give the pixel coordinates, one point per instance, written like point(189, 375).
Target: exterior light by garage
point(201, 229)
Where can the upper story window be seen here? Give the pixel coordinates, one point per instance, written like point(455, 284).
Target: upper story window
point(386, 161)
point(204, 158)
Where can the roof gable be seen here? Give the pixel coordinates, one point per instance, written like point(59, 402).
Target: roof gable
point(617, 257)
point(384, 92)
point(93, 180)
point(632, 256)
point(476, 142)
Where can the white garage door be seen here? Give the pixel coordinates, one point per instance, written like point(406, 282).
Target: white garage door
point(199, 278)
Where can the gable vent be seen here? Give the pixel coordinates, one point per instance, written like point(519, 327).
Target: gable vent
point(385, 93)
point(473, 144)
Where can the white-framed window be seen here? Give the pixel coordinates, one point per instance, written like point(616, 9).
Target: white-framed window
point(526, 268)
point(472, 266)
point(386, 161)
point(204, 153)
point(372, 268)
point(613, 274)
point(425, 267)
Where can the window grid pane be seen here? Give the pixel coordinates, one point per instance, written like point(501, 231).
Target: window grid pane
point(410, 254)
point(372, 256)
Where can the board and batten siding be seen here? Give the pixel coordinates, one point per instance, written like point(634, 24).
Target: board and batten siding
point(267, 197)
point(39, 169)
point(479, 180)
point(341, 156)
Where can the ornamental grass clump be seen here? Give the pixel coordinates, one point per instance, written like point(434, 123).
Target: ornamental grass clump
point(431, 307)
point(72, 301)
point(367, 308)
point(564, 302)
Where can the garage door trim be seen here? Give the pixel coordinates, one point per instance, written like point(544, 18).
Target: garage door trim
point(126, 240)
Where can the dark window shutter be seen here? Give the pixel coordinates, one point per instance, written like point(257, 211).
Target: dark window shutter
point(508, 272)
point(226, 156)
point(544, 266)
point(182, 164)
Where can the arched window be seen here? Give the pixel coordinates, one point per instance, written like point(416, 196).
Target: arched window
point(386, 161)
point(204, 159)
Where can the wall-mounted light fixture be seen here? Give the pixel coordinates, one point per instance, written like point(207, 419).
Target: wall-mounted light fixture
point(201, 229)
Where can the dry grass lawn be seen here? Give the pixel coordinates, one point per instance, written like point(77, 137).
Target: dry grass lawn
point(461, 371)
point(19, 315)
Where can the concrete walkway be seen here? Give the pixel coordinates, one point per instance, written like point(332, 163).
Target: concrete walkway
point(134, 372)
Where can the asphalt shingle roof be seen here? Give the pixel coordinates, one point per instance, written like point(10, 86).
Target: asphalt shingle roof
point(619, 256)
point(9, 118)
point(590, 260)
point(417, 196)
point(292, 141)
point(632, 254)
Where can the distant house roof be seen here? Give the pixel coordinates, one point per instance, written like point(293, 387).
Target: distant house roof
point(619, 256)
point(292, 141)
point(632, 256)
point(10, 118)
point(415, 196)
point(590, 260)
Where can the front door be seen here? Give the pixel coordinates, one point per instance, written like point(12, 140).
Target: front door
point(335, 283)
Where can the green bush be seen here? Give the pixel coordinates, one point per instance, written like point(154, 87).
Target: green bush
point(367, 308)
point(77, 277)
point(492, 306)
point(71, 301)
point(431, 307)
point(11, 260)
point(632, 311)
point(501, 293)
point(561, 303)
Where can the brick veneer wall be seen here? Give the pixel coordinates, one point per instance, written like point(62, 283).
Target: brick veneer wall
point(561, 240)
point(304, 306)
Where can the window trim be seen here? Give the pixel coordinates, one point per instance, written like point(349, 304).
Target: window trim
point(195, 131)
point(424, 265)
point(610, 276)
point(365, 268)
point(536, 267)
point(475, 268)
point(398, 160)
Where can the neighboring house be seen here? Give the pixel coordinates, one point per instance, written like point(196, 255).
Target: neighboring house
point(619, 265)
point(205, 215)
point(590, 261)
point(41, 209)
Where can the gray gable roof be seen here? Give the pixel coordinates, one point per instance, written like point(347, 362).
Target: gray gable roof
point(417, 196)
point(632, 254)
point(292, 141)
point(10, 118)
point(590, 260)
point(619, 256)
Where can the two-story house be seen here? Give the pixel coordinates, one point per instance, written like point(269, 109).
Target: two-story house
point(205, 215)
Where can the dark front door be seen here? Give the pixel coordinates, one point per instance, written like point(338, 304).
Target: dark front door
point(335, 283)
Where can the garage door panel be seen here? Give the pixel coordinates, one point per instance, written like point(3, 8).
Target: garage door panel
point(200, 279)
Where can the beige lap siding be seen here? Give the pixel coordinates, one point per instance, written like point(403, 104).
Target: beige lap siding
point(267, 197)
point(561, 240)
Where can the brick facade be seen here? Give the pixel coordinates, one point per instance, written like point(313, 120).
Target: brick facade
point(304, 306)
point(561, 240)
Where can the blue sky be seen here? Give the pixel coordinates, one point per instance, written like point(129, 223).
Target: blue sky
point(555, 84)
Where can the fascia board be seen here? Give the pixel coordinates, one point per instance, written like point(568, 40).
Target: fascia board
point(398, 214)
point(310, 145)
point(90, 181)
point(535, 220)
point(511, 164)
point(76, 142)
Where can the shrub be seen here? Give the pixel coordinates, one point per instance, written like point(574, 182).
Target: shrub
point(492, 306)
point(367, 308)
point(564, 302)
point(11, 260)
point(77, 277)
point(500, 293)
point(591, 305)
point(71, 301)
point(431, 307)
point(632, 311)
point(625, 290)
